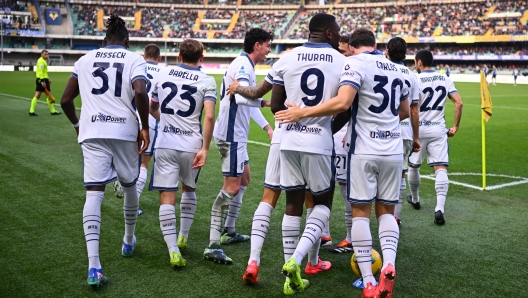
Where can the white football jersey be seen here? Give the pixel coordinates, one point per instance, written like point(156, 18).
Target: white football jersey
point(310, 75)
point(435, 88)
point(105, 84)
point(232, 123)
point(153, 71)
point(181, 91)
point(374, 128)
point(411, 81)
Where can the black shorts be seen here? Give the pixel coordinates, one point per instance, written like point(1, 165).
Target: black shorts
point(39, 85)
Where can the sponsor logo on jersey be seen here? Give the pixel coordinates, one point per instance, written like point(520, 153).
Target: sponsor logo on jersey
point(108, 118)
point(177, 130)
point(303, 128)
point(242, 71)
point(433, 78)
point(430, 123)
point(347, 67)
point(384, 134)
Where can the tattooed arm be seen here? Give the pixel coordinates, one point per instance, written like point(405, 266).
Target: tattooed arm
point(253, 92)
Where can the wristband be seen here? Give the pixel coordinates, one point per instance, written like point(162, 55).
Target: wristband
point(76, 125)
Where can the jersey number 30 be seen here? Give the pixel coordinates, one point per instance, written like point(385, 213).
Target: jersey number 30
point(185, 96)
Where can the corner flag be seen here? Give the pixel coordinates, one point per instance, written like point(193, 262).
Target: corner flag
point(486, 106)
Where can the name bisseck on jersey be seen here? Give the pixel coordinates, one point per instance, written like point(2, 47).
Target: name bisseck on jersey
point(118, 55)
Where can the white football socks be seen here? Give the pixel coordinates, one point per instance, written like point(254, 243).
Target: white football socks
point(167, 218)
point(291, 226)
point(220, 204)
point(92, 226)
point(389, 233)
point(234, 209)
point(398, 208)
point(312, 233)
point(348, 212)
point(130, 212)
point(142, 179)
point(414, 183)
point(259, 229)
point(362, 240)
point(187, 210)
point(441, 186)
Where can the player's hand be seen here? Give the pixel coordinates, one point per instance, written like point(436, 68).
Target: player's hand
point(199, 159)
point(270, 133)
point(43, 84)
point(452, 131)
point(416, 145)
point(77, 131)
point(292, 114)
point(343, 141)
point(232, 88)
point(265, 103)
point(143, 140)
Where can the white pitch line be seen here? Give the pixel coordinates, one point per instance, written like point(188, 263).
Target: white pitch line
point(492, 187)
point(29, 99)
point(506, 184)
point(500, 107)
point(453, 182)
point(259, 143)
point(487, 175)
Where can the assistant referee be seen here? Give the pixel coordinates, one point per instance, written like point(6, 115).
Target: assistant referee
point(42, 82)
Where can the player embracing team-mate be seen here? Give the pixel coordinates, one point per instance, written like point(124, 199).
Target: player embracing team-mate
point(109, 80)
point(231, 135)
point(179, 97)
point(375, 90)
point(307, 76)
point(435, 89)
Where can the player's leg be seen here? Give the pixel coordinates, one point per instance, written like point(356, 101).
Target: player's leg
point(126, 163)
point(98, 171)
point(407, 148)
point(415, 161)
point(165, 176)
point(51, 106)
point(38, 91)
point(292, 180)
point(438, 158)
point(232, 169)
point(262, 217)
point(346, 244)
point(230, 235)
point(189, 177)
point(362, 185)
point(145, 161)
point(389, 170)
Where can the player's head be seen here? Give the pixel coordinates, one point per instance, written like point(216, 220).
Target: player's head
point(116, 31)
point(423, 59)
point(361, 38)
point(325, 28)
point(396, 49)
point(152, 53)
point(44, 54)
point(191, 51)
point(258, 43)
point(343, 46)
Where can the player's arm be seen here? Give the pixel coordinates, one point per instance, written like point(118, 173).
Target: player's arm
point(341, 120)
point(142, 104)
point(67, 101)
point(154, 103)
point(207, 134)
point(244, 101)
point(253, 92)
point(455, 98)
point(404, 110)
point(340, 103)
point(415, 125)
point(257, 116)
point(278, 98)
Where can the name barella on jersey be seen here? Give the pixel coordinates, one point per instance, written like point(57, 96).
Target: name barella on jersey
point(153, 71)
point(232, 124)
point(310, 75)
point(105, 84)
point(374, 128)
point(411, 81)
point(435, 88)
point(181, 91)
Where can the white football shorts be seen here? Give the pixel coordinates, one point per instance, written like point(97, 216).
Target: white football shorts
point(407, 150)
point(341, 168)
point(170, 167)
point(300, 170)
point(272, 175)
point(374, 178)
point(105, 160)
point(153, 134)
point(437, 150)
point(234, 156)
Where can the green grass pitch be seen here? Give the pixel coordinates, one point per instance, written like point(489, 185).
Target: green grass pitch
point(480, 252)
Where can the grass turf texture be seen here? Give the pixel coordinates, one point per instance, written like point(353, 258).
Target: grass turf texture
point(479, 252)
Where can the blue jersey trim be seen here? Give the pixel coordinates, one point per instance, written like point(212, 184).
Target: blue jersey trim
point(188, 67)
point(250, 61)
point(115, 47)
point(350, 83)
point(397, 62)
point(375, 52)
point(151, 63)
point(210, 98)
point(353, 135)
point(243, 80)
point(429, 70)
point(316, 45)
point(275, 82)
point(453, 92)
point(233, 109)
point(74, 75)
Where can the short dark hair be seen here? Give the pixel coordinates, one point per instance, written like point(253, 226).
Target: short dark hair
point(254, 35)
point(397, 47)
point(344, 38)
point(116, 28)
point(320, 22)
point(425, 56)
point(152, 51)
point(191, 50)
point(43, 51)
point(362, 37)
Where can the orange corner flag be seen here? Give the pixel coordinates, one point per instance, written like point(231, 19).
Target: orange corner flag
point(485, 97)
